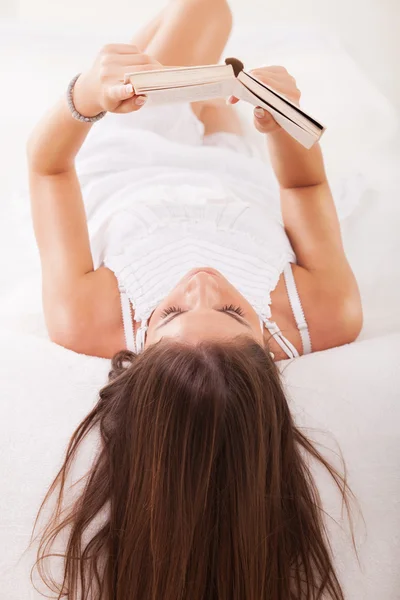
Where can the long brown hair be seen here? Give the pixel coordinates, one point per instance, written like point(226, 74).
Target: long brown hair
point(206, 482)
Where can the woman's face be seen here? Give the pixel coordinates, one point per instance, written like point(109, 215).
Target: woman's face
point(203, 307)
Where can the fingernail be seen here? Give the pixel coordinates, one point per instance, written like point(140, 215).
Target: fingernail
point(129, 88)
point(140, 100)
point(259, 113)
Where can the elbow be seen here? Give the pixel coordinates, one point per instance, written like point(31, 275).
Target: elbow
point(72, 340)
point(349, 317)
point(42, 161)
point(73, 330)
point(33, 157)
point(30, 152)
point(62, 328)
point(340, 319)
point(31, 147)
point(63, 337)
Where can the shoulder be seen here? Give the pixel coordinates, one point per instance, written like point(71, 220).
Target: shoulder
point(89, 320)
point(331, 305)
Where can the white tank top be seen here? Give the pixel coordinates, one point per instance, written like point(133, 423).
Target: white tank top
point(172, 236)
point(158, 207)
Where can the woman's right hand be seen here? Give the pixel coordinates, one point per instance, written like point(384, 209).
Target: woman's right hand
point(102, 87)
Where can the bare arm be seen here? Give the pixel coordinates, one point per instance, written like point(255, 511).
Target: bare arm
point(58, 213)
point(326, 283)
point(308, 209)
point(81, 306)
point(69, 284)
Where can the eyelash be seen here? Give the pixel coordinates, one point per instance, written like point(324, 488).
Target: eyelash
point(230, 308)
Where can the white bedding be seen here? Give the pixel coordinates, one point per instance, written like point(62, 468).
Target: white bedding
point(351, 392)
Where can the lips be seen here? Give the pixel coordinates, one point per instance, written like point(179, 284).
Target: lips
point(200, 270)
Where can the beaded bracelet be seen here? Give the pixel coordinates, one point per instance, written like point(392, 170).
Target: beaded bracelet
point(72, 108)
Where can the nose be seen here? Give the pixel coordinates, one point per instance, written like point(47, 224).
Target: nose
point(202, 291)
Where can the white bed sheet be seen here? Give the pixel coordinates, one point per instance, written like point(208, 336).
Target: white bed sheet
point(351, 392)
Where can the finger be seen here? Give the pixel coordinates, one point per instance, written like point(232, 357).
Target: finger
point(271, 79)
point(120, 49)
point(120, 92)
point(281, 82)
point(131, 104)
point(127, 59)
point(283, 87)
point(261, 115)
point(148, 66)
point(264, 121)
point(273, 75)
point(232, 100)
point(129, 69)
point(273, 68)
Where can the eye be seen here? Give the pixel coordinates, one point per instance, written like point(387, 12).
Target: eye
point(171, 309)
point(232, 308)
point(226, 308)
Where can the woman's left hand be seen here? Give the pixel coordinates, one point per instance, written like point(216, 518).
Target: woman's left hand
point(280, 80)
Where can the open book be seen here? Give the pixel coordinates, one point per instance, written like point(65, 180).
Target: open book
point(190, 84)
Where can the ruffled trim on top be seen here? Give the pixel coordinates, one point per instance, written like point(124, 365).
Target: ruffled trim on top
point(177, 239)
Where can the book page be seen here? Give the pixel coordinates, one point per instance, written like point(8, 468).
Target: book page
point(305, 138)
point(175, 77)
point(280, 103)
point(193, 93)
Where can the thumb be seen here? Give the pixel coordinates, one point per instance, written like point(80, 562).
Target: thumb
point(131, 104)
point(120, 92)
point(264, 121)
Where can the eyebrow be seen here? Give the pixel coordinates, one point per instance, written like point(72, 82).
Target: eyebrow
point(232, 315)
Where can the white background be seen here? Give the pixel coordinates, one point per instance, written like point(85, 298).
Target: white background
point(352, 392)
point(370, 29)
